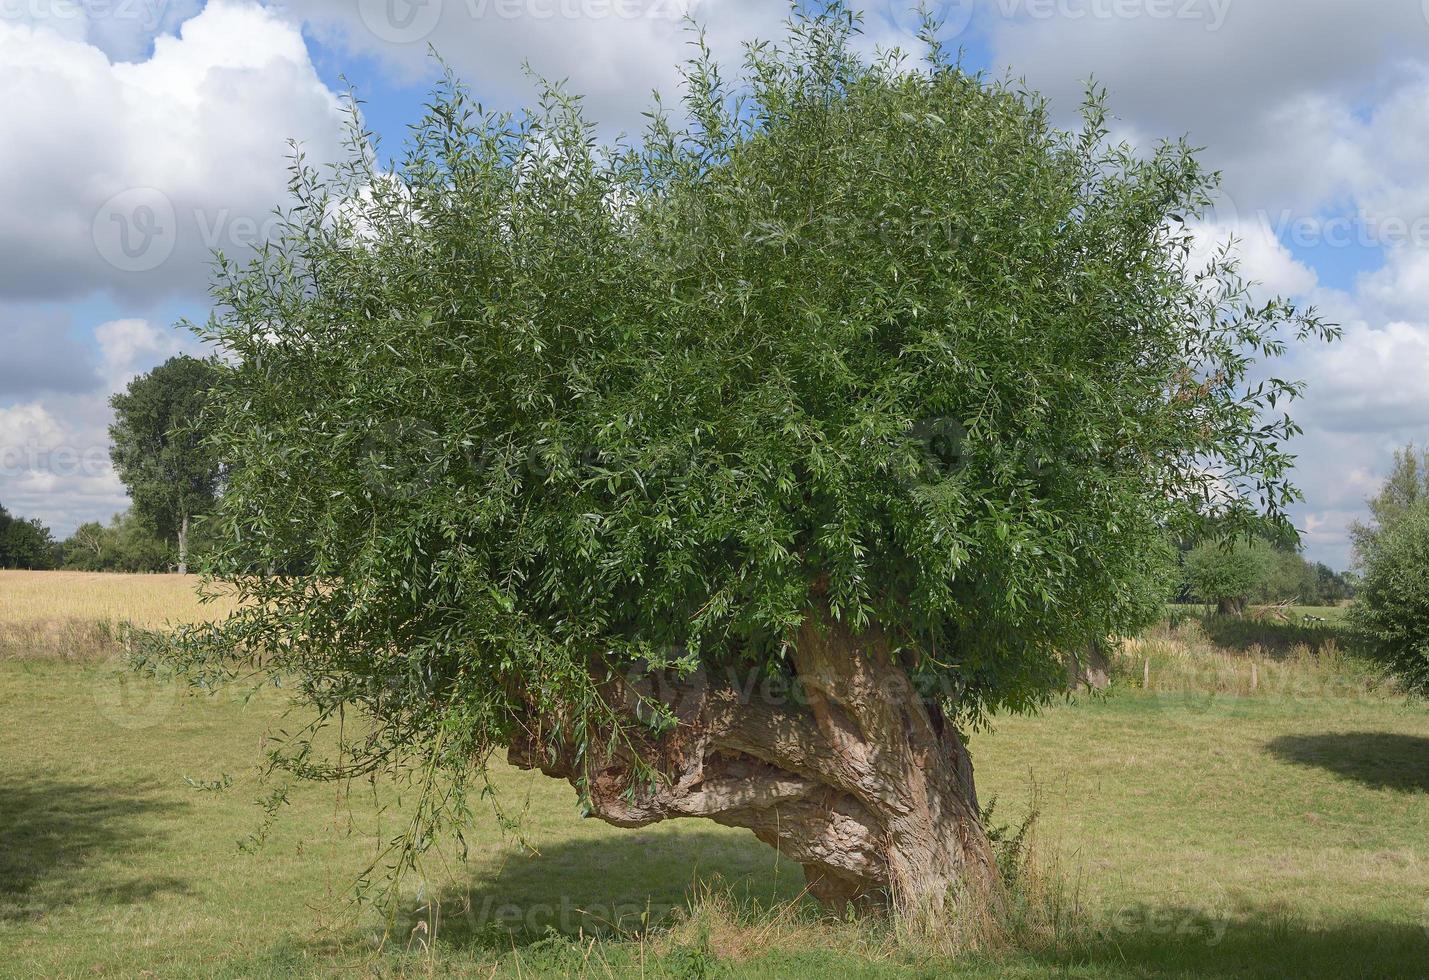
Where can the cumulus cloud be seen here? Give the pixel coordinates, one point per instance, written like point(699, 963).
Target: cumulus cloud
point(1241, 78)
point(54, 464)
point(54, 449)
point(1401, 287)
point(1264, 258)
point(123, 29)
point(1373, 381)
point(613, 53)
point(124, 176)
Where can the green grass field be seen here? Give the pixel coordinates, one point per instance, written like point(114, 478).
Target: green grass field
point(1200, 833)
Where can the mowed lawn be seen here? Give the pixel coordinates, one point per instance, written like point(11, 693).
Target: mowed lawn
point(1203, 835)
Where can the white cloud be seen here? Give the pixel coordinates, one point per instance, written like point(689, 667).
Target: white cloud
point(1264, 259)
point(1374, 381)
point(55, 468)
point(123, 176)
point(1401, 287)
point(123, 29)
point(1269, 87)
point(22, 424)
point(131, 347)
point(613, 53)
point(54, 451)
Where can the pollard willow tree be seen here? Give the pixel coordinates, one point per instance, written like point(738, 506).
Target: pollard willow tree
point(738, 471)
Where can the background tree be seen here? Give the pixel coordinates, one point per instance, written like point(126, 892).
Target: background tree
point(738, 472)
point(1226, 574)
point(88, 548)
point(1390, 617)
point(25, 544)
point(1334, 587)
point(126, 545)
point(1406, 489)
point(1291, 578)
point(159, 452)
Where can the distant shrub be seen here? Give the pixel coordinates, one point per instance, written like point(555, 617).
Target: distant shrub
point(1226, 574)
point(25, 544)
point(126, 545)
point(1390, 621)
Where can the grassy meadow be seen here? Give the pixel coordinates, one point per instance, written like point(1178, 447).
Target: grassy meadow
point(1247, 800)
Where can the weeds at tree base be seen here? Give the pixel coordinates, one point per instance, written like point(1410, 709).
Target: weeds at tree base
point(717, 931)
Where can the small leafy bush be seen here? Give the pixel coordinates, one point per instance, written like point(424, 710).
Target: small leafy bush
point(1390, 622)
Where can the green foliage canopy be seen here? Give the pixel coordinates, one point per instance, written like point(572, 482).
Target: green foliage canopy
point(25, 544)
point(159, 451)
point(537, 410)
point(1405, 490)
point(1390, 618)
point(126, 545)
point(1227, 573)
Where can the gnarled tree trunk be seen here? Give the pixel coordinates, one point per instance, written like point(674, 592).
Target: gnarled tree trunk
point(1230, 607)
point(855, 776)
point(1089, 669)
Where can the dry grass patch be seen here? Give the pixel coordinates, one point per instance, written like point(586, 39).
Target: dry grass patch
point(84, 615)
point(1190, 655)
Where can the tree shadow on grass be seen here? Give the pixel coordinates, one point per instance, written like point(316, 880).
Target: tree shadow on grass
point(537, 914)
point(52, 832)
point(1379, 759)
point(1251, 945)
point(1242, 633)
point(619, 883)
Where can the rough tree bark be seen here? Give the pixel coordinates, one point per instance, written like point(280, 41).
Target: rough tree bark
point(855, 777)
point(1089, 669)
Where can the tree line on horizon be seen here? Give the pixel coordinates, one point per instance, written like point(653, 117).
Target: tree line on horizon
point(172, 477)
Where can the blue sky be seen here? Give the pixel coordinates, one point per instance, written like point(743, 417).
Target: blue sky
point(136, 135)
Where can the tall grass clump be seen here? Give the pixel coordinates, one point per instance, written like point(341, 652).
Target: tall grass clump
point(1247, 658)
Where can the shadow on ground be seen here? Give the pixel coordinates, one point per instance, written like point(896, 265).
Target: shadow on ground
point(538, 915)
point(1278, 639)
point(52, 832)
point(1378, 759)
point(1254, 946)
point(621, 883)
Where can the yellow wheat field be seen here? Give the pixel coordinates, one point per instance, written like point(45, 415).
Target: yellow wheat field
point(76, 615)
